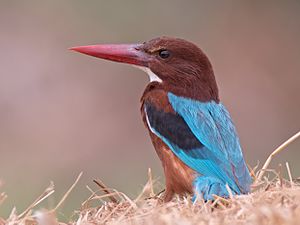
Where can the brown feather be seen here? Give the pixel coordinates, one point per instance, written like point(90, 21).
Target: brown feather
point(179, 177)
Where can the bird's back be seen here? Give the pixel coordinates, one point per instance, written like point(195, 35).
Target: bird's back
point(194, 139)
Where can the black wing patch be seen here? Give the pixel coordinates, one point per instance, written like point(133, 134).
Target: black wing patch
point(173, 127)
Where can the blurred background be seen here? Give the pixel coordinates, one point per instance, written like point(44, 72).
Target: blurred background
point(62, 112)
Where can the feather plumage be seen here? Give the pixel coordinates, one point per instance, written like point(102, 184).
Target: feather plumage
point(202, 135)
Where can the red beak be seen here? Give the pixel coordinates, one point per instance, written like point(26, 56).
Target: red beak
point(125, 53)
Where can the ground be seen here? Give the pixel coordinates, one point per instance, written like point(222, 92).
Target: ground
point(273, 200)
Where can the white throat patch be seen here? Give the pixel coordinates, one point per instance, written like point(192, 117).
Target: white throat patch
point(152, 76)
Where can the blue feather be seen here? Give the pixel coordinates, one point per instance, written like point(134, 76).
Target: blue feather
point(221, 156)
point(202, 135)
point(206, 187)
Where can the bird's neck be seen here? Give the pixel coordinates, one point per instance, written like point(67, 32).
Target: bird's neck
point(203, 92)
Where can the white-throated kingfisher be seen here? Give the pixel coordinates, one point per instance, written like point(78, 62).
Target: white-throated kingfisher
point(190, 128)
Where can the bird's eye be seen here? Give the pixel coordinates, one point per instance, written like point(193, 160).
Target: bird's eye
point(164, 54)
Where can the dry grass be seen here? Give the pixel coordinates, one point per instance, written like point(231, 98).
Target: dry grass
point(273, 200)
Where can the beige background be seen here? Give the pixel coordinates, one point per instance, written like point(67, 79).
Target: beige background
point(62, 112)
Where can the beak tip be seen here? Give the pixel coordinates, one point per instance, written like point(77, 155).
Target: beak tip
point(88, 50)
point(73, 49)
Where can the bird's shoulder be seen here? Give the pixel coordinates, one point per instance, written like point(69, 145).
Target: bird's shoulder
point(156, 96)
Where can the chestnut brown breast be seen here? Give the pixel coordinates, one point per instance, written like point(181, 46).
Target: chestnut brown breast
point(179, 177)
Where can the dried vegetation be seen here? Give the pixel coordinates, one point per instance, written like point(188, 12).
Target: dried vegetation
point(273, 200)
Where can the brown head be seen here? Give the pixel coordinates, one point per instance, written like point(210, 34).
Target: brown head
point(178, 65)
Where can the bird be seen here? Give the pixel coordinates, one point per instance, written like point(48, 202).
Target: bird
point(191, 130)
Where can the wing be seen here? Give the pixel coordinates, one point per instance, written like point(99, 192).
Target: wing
point(203, 136)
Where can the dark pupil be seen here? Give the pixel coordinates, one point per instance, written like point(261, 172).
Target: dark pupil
point(164, 54)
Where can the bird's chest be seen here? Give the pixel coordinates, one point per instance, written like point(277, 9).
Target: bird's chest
point(159, 99)
point(178, 175)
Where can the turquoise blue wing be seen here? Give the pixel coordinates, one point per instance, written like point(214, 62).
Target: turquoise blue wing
point(210, 122)
point(204, 138)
